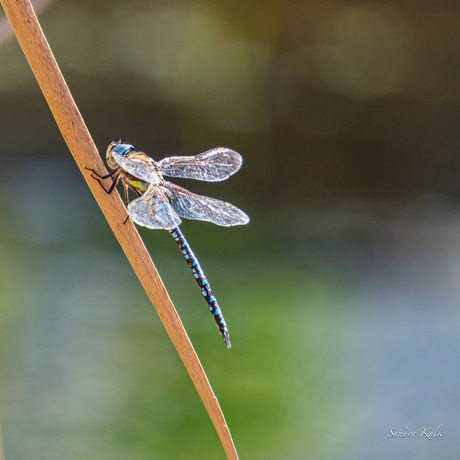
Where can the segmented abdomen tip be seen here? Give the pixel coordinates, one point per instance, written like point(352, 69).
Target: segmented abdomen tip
point(226, 338)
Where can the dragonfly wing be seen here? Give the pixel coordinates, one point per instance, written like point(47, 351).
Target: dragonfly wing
point(153, 210)
point(139, 165)
point(198, 207)
point(213, 165)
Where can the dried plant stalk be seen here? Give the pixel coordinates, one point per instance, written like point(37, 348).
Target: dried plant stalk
point(73, 129)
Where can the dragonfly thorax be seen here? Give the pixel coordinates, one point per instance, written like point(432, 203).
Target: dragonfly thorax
point(138, 165)
point(134, 182)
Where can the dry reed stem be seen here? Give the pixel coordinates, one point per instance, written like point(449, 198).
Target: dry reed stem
point(73, 129)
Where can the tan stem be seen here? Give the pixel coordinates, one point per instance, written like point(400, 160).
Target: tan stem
point(73, 129)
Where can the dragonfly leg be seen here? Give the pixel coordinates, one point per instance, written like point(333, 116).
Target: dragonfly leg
point(115, 175)
point(203, 283)
point(126, 190)
point(99, 176)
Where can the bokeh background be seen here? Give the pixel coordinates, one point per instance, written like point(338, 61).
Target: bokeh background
point(342, 295)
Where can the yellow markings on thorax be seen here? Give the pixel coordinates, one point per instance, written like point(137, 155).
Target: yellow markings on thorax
point(138, 185)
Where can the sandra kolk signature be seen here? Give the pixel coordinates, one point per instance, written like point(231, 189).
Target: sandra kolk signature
point(426, 432)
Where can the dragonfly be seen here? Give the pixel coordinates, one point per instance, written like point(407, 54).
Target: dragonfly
point(161, 204)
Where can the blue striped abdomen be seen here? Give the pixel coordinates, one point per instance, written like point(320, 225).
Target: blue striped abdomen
point(203, 282)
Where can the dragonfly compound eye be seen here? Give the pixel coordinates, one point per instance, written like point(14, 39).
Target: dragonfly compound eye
point(117, 147)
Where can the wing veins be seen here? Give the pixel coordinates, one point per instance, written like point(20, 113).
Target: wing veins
point(212, 166)
point(192, 206)
point(153, 210)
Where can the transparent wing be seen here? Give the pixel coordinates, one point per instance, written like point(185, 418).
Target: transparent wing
point(153, 210)
point(213, 165)
point(198, 207)
point(139, 165)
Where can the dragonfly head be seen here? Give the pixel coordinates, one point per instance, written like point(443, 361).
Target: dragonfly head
point(117, 147)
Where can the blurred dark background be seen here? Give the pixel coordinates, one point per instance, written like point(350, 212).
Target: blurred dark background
point(341, 294)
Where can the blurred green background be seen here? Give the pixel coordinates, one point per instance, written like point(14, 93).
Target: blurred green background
point(342, 295)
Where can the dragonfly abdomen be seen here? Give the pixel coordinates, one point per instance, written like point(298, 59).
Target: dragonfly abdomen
point(203, 283)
